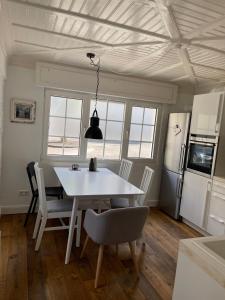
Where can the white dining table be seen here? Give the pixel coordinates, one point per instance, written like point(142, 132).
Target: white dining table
point(101, 184)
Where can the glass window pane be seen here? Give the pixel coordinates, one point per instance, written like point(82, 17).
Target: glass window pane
point(147, 133)
point(146, 150)
point(71, 146)
point(58, 106)
point(137, 115)
point(115, 111)
point(133, 149)
point(135, 132)
point(149, 116)
point(56, 126)
point(55, 145)
point(114, 131)
point(112, 151)
point(101, 108)
point(74, 108)
point(72, 128)
point(102, 127)
point(95, 149)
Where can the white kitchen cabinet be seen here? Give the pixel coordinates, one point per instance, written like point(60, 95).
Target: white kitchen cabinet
point(207, 113)
point(216, 213)
point(194, 198)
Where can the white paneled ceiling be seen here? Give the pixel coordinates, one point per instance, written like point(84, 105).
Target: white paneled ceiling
point(180, 41)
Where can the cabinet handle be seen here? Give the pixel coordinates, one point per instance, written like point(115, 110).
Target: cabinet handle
point(219, 220)
point(219, 112)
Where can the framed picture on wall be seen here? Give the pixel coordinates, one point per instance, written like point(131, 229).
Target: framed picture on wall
point(23, 111)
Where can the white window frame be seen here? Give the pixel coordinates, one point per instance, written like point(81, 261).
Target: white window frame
point(85, 119)
point(110, 99)
point(157, 136)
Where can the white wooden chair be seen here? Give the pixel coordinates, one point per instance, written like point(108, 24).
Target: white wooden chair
point(51, 209)
point(125, 169)
point(144, 186)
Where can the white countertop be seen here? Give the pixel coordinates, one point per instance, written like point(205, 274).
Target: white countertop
point(205, 258)
point(220, 179)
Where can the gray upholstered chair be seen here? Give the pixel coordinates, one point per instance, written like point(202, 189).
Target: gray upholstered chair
point(115, 226)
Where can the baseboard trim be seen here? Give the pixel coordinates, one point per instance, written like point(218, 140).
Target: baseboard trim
point(195, 227)
point(21, 209)
point(14, 209)
point(152, 203)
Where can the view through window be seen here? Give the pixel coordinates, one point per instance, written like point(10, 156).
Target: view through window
point(111, 114)
point(64, 126)
point(142, 132)
point(67, 115)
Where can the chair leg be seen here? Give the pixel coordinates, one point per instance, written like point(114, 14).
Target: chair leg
point(84, 247)
point(37, 224)
point(99, 264)
point(132, 251)
point(29, 210)
point(79, 219)
point(35, 203)
point(40, 233)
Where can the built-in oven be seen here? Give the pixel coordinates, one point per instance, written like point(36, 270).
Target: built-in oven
point(201, 156)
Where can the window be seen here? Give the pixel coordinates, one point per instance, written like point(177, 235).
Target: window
point(64, 126)
point(129, 130)
point(142, 132)
point(111, 114)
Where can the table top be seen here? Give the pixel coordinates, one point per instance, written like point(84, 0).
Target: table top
point(103, 182)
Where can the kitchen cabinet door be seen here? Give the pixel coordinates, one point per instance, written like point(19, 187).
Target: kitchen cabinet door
point(207, 114)
point(194, 198)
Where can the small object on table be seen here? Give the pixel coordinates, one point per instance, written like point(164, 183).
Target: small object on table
point(75, 167)
point(93, 165)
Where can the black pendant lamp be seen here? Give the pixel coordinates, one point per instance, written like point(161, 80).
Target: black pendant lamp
point(94, 132)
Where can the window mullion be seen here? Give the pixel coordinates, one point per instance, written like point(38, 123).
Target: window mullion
point(84, 126)
point(126, 130)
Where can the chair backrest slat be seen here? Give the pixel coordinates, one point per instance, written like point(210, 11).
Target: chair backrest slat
point(32, 177)
point(41, 189)
point(125, 169)
point(145, 185)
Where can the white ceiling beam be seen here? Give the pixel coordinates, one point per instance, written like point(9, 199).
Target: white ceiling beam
point(138, 63)
point(169, 21)
point(92, 42)
point(180, 78)
point(47, 48)
point(88, 18)
point(208, 67)
point(208, 38)
point(206, 27)
point(63, 35)
point(204, 47)
point(183, 54)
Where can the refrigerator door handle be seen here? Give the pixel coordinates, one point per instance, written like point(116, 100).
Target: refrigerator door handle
point(182, 156)
point(177, 187)
point(180, 187)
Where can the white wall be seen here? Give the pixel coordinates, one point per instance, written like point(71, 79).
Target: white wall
point(23, 142)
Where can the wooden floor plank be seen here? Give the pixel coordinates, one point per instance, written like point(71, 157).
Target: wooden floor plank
point(26, 274)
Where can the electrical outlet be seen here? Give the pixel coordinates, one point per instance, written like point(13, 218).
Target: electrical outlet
point(23, 193)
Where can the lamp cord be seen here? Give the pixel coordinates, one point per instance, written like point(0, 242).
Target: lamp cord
point(97, 65)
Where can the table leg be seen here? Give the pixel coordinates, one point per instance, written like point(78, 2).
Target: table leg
point(71, 229)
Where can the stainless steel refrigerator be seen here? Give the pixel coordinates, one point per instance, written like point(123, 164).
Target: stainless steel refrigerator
point(174, 163)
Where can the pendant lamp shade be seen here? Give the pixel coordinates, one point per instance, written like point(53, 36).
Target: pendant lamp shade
point(94, 132)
